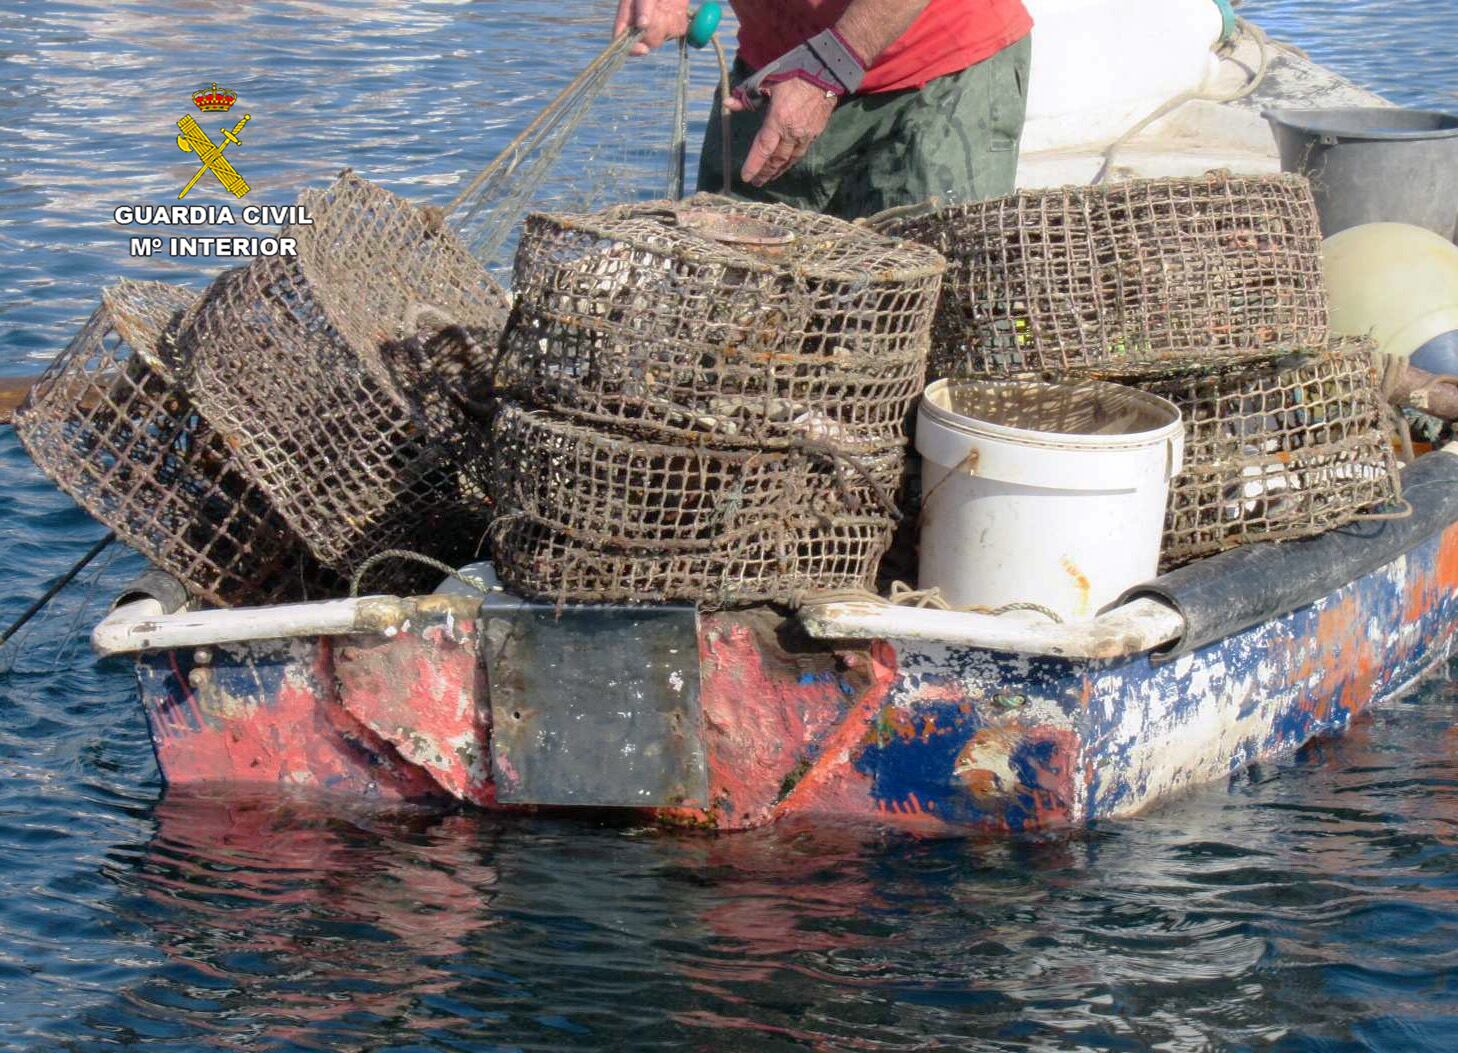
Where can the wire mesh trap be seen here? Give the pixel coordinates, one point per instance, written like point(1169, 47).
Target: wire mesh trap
point(1142, 275)
point(751, 325)
point(596, 488)
point(110, 425)
point(322, 372)
point(1275, 451)
point(783, 565)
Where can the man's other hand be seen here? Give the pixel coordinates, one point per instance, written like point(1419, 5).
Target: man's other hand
point(659, 20)
point(798, 112)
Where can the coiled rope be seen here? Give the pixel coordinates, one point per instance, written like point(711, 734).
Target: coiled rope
point(1263, 69)
point(363, 570)
point(903, 595)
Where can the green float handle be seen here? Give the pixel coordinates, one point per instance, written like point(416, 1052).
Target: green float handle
point(704, 23)
point(1229, 21)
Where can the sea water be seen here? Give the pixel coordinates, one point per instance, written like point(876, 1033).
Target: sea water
point(1309, 904)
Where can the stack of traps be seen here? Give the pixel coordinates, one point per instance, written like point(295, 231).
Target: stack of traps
point(1142, 276)
point(1207, 291)
point(263, 440)
point(111, 423)
point(708, 402)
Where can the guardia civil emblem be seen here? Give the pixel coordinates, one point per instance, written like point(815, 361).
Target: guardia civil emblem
point(194, 140)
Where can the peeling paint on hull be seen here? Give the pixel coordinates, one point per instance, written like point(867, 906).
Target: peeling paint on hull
point(912, 734)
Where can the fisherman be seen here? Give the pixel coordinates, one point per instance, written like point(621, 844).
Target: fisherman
point(864, 104)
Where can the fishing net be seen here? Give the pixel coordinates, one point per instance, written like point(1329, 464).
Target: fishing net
point(1144, 275)
point(48, 641)
point(796, 559)
point(321, 372)
point(610, 135)
point(709, 319)
point(110, 424)
point(1280, 450)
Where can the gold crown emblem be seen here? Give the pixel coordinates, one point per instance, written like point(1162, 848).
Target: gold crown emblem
point(214, 99)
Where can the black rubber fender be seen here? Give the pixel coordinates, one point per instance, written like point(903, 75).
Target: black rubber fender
point(1246, 586)
point(154, 584)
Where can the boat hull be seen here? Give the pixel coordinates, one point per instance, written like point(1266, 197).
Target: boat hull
point(900, 732)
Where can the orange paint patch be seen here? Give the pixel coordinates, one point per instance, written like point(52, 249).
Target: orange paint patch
point(832, 786)
point(985, 763)
point(1080, 582)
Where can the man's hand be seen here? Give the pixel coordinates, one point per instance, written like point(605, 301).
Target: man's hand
point(798, 112)
point(659, 20)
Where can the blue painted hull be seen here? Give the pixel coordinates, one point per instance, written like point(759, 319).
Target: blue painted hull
point(989, 740)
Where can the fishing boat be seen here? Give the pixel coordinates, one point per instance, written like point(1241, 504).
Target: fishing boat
point(853, 709)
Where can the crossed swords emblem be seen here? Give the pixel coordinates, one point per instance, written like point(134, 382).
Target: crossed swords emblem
point(194, 140)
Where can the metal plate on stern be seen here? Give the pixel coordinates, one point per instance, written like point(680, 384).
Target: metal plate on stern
point(596, 705)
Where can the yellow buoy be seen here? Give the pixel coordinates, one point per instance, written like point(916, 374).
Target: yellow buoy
point(1395, 282)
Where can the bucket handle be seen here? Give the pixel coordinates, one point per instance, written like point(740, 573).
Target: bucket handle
point(967, 464)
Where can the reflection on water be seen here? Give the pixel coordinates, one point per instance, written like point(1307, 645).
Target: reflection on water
point(1313, 905)
point(1309, 906)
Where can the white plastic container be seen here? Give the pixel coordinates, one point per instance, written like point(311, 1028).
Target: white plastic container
point(1099, 66)
point(1051, 494)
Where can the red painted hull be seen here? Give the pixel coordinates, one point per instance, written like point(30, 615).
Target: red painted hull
point(915, 735)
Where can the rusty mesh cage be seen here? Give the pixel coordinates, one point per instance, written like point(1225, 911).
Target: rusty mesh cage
point(1280, 450)
point(597, 488)
point(746, 323)
point(797, 558)
point(110, 424)
point(319, 371)
point(1144, 275)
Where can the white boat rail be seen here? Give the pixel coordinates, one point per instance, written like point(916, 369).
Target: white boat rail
point(1135, 628)
point(1132, 629)
point(141, 626)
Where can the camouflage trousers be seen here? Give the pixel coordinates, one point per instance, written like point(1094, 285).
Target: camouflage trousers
point(957, 138)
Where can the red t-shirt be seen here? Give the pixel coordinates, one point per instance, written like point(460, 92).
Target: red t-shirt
point(947, 37)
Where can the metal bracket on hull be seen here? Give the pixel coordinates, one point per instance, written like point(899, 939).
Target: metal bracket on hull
point(595, 706)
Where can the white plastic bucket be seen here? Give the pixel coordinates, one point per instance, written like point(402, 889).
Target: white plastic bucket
point(1050, 494)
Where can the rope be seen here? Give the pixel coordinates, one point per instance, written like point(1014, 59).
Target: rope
point(678, 153)
point(966, 464)
point(726, 134)
point(1404, 510)
point(414, 557)
point(903, 595)
point(1391, 373)
point(841, 459)
point(1263, 68)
